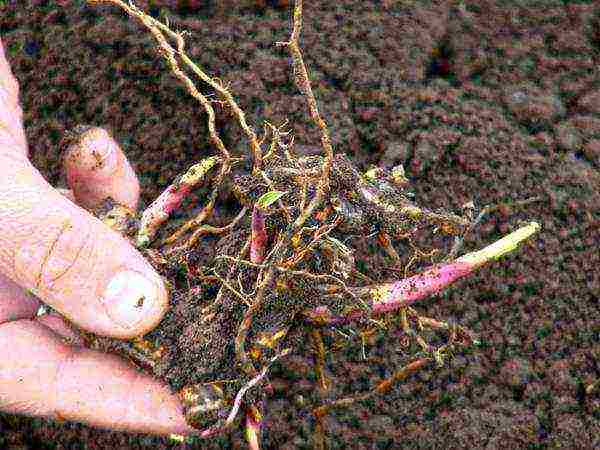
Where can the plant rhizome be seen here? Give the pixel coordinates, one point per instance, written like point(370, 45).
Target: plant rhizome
point(284, 272)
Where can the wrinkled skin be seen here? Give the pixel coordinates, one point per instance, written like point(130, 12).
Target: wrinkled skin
point(54, 251)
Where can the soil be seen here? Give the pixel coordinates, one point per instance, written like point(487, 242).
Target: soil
point(480, 100)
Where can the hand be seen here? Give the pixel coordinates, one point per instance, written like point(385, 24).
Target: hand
point(91, 275)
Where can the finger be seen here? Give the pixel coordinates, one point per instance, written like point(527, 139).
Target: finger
point(11, 115)
point(61, 327)
point(70, 260)
point(67, 193)
point(96, 168)
point(42, 376)
point(66, 257)
point(15, 303)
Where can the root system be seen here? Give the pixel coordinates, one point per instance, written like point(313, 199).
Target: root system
point(284, 270)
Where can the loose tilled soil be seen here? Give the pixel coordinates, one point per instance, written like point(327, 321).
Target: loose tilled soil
point(480, 100)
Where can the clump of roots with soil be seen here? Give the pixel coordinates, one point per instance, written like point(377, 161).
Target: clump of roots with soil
point(283, 272)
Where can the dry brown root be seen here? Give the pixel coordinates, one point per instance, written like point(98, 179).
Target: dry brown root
point(381, 388)
point(319, 350)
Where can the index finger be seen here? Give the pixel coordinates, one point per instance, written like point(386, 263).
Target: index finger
point(42, 376)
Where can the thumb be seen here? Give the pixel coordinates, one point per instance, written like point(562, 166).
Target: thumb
point(54, 248)
point(70, 260)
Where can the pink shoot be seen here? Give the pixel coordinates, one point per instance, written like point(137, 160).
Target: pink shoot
point(388, 297)
point(171, 198)
point(258, 241)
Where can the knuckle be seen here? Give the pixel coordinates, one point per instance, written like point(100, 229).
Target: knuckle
point(51, 256)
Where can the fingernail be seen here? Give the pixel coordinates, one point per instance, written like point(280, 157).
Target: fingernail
point(130, 297)
point(101, 148)
point(89, 149)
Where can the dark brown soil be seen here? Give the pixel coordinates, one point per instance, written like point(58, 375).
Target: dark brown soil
point(481, 100)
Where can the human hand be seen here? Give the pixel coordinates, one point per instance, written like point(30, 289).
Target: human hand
point(91, 275)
